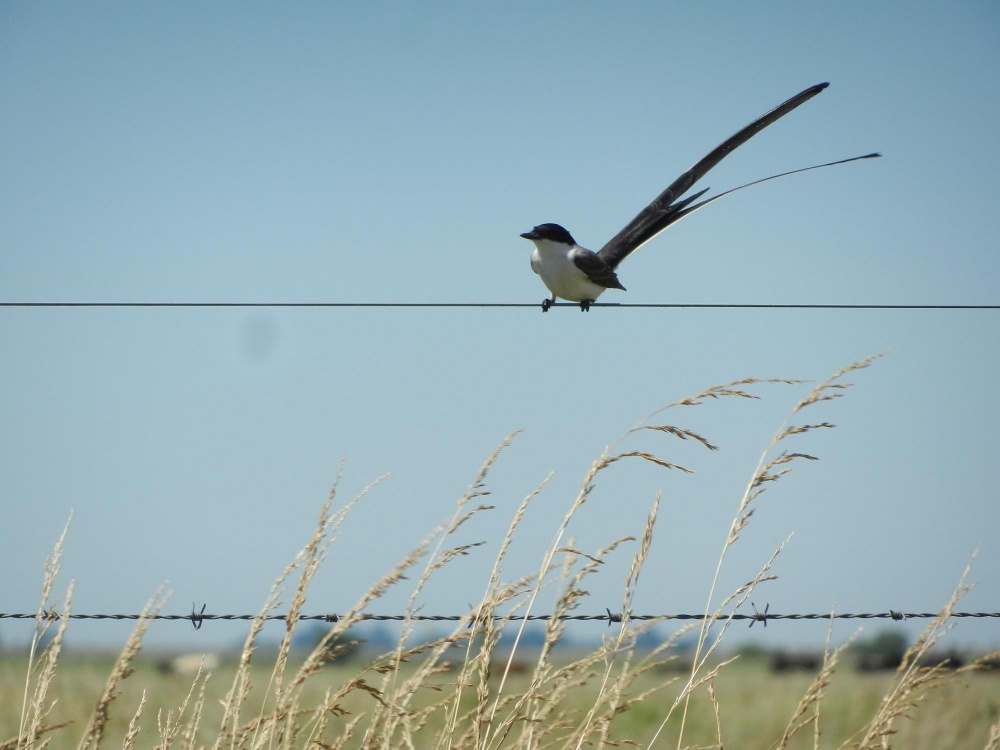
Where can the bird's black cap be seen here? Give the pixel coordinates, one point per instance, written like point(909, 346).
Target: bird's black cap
point(552, 232)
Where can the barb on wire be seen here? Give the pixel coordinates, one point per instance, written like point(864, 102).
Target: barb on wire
point(198, 618)
point(759, 616)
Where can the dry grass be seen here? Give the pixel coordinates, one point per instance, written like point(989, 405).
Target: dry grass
point(419, 695)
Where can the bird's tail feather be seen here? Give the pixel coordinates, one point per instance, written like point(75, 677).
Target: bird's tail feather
point(657, 215)
point(687, 211)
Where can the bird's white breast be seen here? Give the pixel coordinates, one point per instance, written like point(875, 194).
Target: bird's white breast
point(553, 261)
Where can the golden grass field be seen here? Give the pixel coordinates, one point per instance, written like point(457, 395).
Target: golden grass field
point(461, 691)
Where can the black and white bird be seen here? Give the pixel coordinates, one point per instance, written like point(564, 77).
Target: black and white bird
point(579, 275)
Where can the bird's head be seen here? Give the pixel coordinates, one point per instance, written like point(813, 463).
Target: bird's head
point(550, 232)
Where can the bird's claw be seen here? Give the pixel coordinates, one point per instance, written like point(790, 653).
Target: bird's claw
point(584, 305)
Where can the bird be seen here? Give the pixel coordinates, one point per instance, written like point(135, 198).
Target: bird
point(576, 274)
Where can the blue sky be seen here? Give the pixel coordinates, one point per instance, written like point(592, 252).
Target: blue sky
point(392, 153)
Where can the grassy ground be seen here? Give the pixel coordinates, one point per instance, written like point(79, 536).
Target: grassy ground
point(754, 705)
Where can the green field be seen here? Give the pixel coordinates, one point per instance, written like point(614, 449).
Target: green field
point(754, 706)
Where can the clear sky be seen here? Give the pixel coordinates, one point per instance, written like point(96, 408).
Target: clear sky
point(377, 152)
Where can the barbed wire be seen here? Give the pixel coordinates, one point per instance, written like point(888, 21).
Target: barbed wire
point(644, 305)
point(198, 617)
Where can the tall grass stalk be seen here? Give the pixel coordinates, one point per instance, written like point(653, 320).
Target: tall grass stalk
point(769, 469)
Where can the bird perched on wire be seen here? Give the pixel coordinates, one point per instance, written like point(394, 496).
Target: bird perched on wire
point(573, 273)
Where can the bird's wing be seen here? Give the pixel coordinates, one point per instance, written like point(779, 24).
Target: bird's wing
point(595, 269)
point(660, 214)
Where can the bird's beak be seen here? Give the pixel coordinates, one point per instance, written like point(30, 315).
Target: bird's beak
point(529, 235)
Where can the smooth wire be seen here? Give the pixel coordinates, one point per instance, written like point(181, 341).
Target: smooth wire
point(636, 305)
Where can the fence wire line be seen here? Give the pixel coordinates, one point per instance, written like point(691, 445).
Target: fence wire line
point(661, 305)
point(197, 618)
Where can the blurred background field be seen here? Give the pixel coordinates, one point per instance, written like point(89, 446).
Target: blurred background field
point(755, 703)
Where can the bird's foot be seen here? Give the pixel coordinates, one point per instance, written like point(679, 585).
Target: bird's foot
point(585, 305)
point(546, 304)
